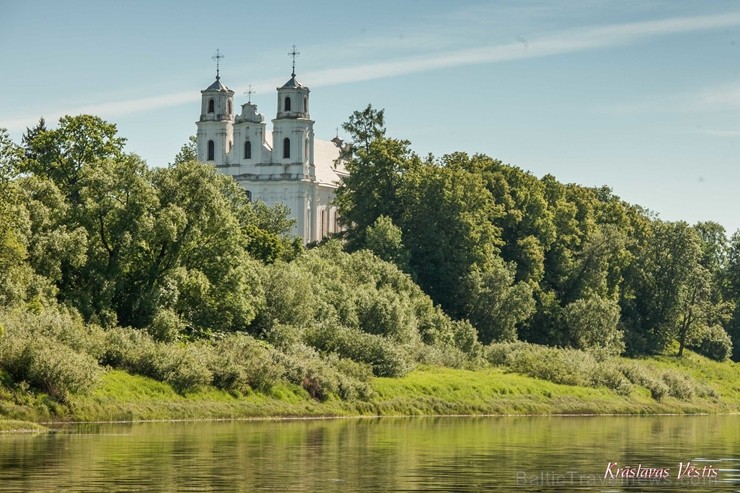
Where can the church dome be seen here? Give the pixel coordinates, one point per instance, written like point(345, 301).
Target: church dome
point(292, 84)
point(217, 86)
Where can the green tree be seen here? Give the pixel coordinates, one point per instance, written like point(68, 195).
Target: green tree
point(593, 324)
point(496, 304)
point(731, 286)
point(61, 153)
point(657, 280)
point(188, 152)
point(365, 127)
point(385, 240)
point(376, 172)
point(448, 231)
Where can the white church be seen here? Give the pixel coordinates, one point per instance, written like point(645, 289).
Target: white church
point(286, 165)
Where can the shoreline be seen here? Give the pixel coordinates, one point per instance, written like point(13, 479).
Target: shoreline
point(425, 392)
point(54, 426)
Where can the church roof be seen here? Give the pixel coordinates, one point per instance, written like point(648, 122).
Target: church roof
point(329, 169)
point(292, 83)
point(217, 86)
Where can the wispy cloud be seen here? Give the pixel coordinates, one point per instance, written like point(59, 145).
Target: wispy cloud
point(565, 42)
point(719, 98)
point(720, 132)
point(553, 44)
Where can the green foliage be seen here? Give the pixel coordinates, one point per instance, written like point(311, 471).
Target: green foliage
point(9, 156)
point(439, 255)
point(447, 228)
point(166, 326)
point(386, 358)
point(53, 351)
point(188, 151)
point(292, 296)
point(241, 363)
point(731, 283)
point(61, 154)
point(366, 126)
point(320, 376)
point(385, 240)
point(376, 170)
point(182, 366)
point(496, 305)
point(713, 342)
point(593, 323)
point(357, 291)
point(594, 369)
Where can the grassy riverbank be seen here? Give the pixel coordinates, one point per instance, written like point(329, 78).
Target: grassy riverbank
point(16, 426)
point(424, 391)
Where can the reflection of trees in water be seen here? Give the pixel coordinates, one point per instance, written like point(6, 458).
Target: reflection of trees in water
point(455, 454)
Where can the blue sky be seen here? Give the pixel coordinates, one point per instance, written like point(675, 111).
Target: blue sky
point(642, 96)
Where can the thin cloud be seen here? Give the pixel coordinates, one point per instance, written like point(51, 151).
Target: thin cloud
point(719, 98)
point(733, 134)
point(565, 42)
point(556, 44)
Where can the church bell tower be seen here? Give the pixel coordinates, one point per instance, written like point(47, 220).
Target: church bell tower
point(293, 139)
point(215, 127)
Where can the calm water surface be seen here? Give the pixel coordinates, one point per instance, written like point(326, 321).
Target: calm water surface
point(378, 455)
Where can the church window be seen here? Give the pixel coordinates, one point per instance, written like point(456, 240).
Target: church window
point(305, 104)
point(249, 195)
point(286, 148)
point(287, 105)
point(211, 150)
point(210, 106)
point(247, 150)
point(228, 107)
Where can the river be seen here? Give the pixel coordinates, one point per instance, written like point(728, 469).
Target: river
point(450, 454)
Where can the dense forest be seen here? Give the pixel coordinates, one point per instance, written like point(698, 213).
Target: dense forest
point(171, 272)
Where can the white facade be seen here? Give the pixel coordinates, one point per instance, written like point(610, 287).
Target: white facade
point(287, 165)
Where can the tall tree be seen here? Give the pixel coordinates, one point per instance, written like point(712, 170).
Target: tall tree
point(365, 127)
point(376, 172)
point(60, 154)
point(448, 230)
point(657, 280)
point(732, 291)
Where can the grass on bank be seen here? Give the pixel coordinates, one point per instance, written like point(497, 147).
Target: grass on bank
point(17, 426)
point(701, 386)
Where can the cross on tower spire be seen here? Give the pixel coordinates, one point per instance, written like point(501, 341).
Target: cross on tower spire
point(249, 93)
point(218, 56)
point(294, 53)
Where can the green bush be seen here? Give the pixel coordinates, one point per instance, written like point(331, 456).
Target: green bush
point(305, 367)
point(593, 323)
point(383, 312)
point(48, 365)
point(713, 342)
point(184, 366)
point(609, 375)
point(291, 297)
point(387, 358)
point(130, 350)
point(166, 326)
point(679, 386)
point(58, 324)
point(52, 350)
point(564, 366)
point(241, 362)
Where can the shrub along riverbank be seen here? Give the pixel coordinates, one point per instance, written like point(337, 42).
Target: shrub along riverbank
point(130, 292)
point(692, 384)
